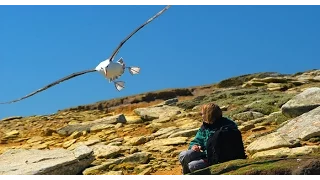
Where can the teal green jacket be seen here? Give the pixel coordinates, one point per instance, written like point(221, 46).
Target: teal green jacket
point(206, 130)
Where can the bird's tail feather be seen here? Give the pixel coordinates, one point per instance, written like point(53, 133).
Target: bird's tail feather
point(134, 70)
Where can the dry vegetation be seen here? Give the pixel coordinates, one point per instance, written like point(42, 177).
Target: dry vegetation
point(228, 93)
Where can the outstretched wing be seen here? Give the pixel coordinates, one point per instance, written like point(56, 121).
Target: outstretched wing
point(115, 52)
point(93, 70)
point(50, 85)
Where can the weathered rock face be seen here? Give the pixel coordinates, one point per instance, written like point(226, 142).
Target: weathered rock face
point(165, 142)
point(245, 116)
point(134, 159)
point(283, 152)
point(156, 112)
point(309, 76)
point(303, 127)
point(50, 162)
point(302, 103)
point(150, 142)
point(105, 151)
point(270, 141)
point(96, 125)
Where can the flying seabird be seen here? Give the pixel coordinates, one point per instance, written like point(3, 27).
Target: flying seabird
point(108, 68)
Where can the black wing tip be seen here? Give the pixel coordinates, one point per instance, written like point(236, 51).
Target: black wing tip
point(51, 85)
point(115, 52)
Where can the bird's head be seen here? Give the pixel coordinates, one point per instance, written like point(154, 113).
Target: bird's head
point(104, 64)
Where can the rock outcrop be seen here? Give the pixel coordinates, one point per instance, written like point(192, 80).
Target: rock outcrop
point(117, 137)
point(56, 161)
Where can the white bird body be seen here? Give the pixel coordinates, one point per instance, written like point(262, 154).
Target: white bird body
point(113, 70)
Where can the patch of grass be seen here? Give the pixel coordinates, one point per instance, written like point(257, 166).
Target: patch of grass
point(232, 167)
point(189, 104)
point(279, 119)
point(314, 139)
point(218, 96)
point(271, 166)
point(124, 166)
point(267, 168)
point(268, 101)
point(229, 94)
point(262, 107)
point(297, 74)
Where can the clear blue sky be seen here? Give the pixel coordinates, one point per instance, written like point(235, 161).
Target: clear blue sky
point(186, 46)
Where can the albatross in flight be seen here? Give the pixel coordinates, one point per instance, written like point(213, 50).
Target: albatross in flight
point(108, 68)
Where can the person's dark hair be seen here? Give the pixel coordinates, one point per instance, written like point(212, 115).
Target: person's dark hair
point(211, 113)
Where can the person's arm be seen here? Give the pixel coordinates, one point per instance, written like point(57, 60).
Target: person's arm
point(198, 140)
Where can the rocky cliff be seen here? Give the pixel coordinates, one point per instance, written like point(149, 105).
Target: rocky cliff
point(278, 115)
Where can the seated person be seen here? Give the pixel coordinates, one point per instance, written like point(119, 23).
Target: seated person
point(196, 156)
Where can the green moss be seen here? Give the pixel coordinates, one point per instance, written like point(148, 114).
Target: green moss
point(218, 96)
point(233, 167)
point(314, 139)
point(268, 167)
point(188, 104)
point(124, 166)
point(261, 166)
point(268, 102)
point(280, 118)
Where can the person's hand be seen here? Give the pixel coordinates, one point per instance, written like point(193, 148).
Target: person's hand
point(196, 148)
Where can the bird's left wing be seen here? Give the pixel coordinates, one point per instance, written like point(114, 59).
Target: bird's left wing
point(50, 85)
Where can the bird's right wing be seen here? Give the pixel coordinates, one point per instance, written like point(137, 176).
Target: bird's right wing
point(115, 52)
point(50, 85)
